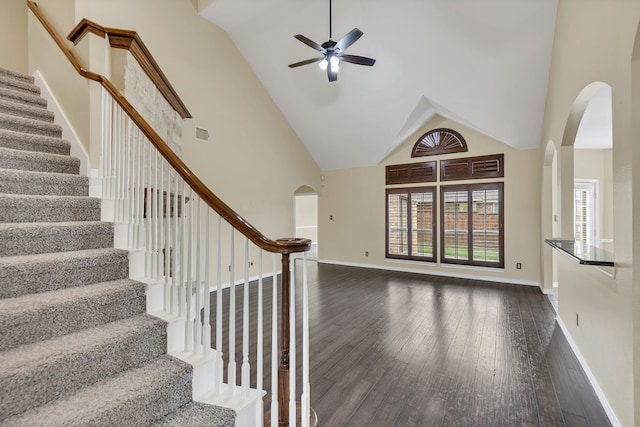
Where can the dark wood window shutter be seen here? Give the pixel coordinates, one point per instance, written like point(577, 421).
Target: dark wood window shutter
point(411, 173)
point(491, 166)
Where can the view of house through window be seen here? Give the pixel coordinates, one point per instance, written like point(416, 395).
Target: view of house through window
point(585, 208)
point(472, 220)
point(410, 223)
point(471, 224)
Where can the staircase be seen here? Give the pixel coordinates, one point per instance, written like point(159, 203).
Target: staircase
point(76, 345)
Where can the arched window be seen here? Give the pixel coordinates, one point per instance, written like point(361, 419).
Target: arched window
point(439, 141)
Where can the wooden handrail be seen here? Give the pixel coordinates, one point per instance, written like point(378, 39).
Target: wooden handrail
point(282, 246)
point(131, 41)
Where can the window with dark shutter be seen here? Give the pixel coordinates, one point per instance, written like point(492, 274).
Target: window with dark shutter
point(411, 173)
point(491, 166)
point(439, 141)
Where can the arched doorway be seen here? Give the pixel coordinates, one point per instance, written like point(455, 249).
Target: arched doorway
point(586, 156)
point(305, 214)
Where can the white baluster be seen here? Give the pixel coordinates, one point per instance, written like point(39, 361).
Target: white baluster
point(219, 360)
point(246, 370)
point(189, 274)
point(275, 351)
point(260, 343)
point(104, 145)
point(206, 330)
point(156, 217)
point(231, 367)
point(305, 398)
point(197, 333)
point(180, 247)
point(148, 214)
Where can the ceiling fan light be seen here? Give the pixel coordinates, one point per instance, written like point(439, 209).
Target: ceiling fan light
point(335, 68)
point(323, 64)
point(334, 60)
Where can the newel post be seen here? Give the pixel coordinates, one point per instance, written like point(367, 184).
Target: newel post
point(283, 367)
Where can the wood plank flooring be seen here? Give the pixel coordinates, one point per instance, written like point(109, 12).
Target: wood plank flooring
point(401, 349)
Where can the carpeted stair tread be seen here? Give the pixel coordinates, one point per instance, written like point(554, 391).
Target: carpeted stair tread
point(34, 374)
point(135, 398)
point(16, 75)
point(26, 111)
point(42, 183)
point(32, 208)
point(29, 318)
point(18, 85)
point(38, 237)
point(38, 162)
point(30, 274)
point(31, 142)
point(199, 414)
point(21, 124)
point(23, 97)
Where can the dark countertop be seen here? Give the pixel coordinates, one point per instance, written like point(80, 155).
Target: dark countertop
point(584, 254)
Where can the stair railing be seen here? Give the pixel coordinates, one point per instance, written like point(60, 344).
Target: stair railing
point(185, 238)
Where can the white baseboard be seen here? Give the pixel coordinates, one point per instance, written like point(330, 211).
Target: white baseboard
point(592, 379)
point(68, 133)
point(449, 273)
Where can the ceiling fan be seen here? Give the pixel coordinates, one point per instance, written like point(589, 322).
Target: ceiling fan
point(333, 52)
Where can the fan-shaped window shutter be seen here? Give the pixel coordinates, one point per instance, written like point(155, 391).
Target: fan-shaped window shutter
point(439, 141)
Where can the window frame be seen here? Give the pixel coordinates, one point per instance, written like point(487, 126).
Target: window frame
point(434, 231)
point(470, 188)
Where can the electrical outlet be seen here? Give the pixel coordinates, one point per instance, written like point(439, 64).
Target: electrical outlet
point(330, 217)
point(366, 253)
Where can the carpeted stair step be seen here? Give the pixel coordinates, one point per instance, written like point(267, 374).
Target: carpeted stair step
point(30, 208)
point(37, 127)
point(199, 414)
point(30, 274)
point(35, 374)
point(39, 238)
point(135, 398)
point(31, 142)
point(38, 162)
point(35, 317)
point(22, 97)
point(23, 110)
point(18, 85)
point(41, 183)
point(10, 74)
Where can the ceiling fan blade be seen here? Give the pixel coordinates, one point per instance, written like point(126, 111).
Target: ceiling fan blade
point(310, 43)
point(350, 38)
point(360, 60)
point(305, 62)
point(332, 75)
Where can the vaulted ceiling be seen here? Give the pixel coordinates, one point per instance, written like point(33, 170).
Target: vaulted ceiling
point(482, 63)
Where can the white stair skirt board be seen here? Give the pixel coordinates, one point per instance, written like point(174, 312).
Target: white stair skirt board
point(592, 379)
point(68, 133)
point(244, 408)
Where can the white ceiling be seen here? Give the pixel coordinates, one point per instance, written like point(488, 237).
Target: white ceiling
point(482, 63)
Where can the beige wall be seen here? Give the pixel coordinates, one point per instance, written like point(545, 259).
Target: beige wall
point(356, 200)
point(582, 56)
point(13, 35)
point(596, 165)
point(70, 90)
point(254, 161)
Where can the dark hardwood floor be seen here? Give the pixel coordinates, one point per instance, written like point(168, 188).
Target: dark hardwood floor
point(401, 349)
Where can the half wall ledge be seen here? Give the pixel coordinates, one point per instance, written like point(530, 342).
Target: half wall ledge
point(582, 253)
